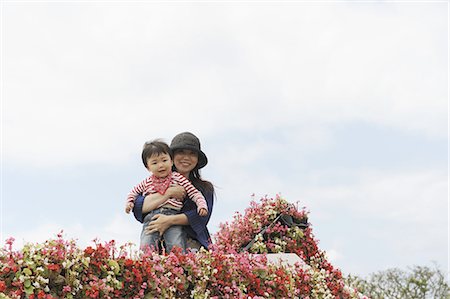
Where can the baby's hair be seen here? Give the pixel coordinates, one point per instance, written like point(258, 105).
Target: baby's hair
point(155, 147)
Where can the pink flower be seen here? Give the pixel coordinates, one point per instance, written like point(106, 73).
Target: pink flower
point(10, 241)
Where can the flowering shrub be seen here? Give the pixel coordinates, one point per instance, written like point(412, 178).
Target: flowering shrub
point(277, 238)
point(232, 237)
point(59, 269)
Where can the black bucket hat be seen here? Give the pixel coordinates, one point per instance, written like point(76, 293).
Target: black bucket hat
point(189, 141)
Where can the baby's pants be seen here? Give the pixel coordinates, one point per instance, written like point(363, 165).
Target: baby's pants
point(173, 236)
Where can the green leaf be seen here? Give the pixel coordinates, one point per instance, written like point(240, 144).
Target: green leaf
point(29, 290)
point(27, 283)
point(114, 266)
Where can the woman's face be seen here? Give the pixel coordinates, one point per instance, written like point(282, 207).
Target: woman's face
point(185, 161)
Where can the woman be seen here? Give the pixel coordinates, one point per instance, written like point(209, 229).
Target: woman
point(188, 158)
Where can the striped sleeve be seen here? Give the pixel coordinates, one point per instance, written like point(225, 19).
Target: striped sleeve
point(139, 189)
point(195, 195)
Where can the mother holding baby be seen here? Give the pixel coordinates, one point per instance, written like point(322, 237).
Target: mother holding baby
point(188, 159)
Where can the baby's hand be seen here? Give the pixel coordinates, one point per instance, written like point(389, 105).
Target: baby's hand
point(129, 206)
point(203, 212)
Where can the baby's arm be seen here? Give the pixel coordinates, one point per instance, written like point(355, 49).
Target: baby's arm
point(156, 200)
point(129, 206)
point(203, 212)
point(138, 189)
point(194, 194)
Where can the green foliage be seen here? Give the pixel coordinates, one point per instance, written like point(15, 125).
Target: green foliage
point(419, 282)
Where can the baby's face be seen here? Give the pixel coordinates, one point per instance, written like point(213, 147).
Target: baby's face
point(160, 165)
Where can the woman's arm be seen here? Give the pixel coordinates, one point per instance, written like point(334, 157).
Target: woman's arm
point(160, 222)
point(154, 201)
point(143, 205)
point(188, 216)
point(197, 222)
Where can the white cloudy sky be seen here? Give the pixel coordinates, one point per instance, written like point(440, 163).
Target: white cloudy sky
point(341, 106)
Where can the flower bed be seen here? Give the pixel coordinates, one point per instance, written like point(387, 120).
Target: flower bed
point(58, 268)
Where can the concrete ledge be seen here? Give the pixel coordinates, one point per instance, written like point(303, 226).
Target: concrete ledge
point(286, 259)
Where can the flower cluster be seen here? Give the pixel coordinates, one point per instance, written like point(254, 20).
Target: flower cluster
point(60, 269)
point(234, 235)
point(259, 226)
point(39, 270)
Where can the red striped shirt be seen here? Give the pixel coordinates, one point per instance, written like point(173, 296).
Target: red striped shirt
point(146, 187)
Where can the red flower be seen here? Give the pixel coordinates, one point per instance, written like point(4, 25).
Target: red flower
point(2, 286)
point(41, 294)
point(53, 267)
point(129, 262)
point(89, 250)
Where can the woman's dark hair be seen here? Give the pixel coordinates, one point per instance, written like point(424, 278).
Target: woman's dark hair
point(196, 179)
point(155, 147)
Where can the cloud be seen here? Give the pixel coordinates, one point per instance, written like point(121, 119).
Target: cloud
point(400, 214)
point(356, 213)
point(368, 67)
point(120, 228)
point(94, 91)
point(413, 197)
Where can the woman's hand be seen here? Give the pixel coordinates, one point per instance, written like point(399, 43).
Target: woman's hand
point(160, 223)
point(176, 191)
